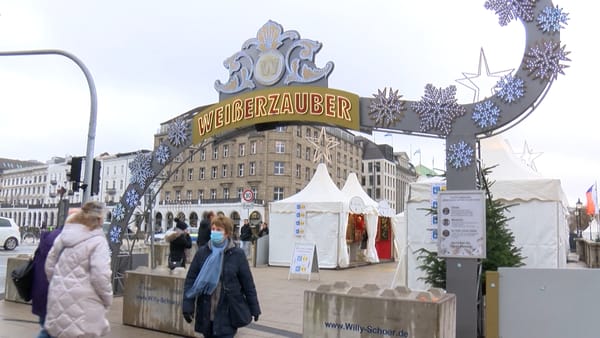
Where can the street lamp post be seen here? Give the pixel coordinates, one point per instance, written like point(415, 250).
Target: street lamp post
point(91, 139)
point(578, 206)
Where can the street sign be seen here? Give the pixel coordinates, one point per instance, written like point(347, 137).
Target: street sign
point(248, 196)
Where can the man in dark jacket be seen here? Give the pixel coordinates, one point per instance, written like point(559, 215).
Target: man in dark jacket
point(246, 237)
point(39, 287)
point(178, 242)
point(204, 228)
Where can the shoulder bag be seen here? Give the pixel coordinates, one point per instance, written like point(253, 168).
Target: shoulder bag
point(22, 277)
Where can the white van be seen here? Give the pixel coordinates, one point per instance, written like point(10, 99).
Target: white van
point(9, 233)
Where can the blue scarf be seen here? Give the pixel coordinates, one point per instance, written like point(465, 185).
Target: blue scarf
point(207, 279)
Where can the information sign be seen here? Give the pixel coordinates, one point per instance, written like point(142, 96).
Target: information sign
point(461, 224)
point(304, 259)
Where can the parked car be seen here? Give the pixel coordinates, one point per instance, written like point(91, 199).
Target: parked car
point(9, 233)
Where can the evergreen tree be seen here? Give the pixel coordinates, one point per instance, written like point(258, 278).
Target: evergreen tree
point(500, 248)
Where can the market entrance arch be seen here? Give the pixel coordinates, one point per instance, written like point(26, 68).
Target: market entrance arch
point(274, 80)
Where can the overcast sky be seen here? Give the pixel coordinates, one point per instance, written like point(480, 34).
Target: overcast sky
point(153, 60)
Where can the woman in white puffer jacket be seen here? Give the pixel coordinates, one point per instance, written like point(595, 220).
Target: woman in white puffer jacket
point(78, 269)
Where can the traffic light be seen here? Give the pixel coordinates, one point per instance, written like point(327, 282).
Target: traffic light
point(96, 178)
point(74, 172)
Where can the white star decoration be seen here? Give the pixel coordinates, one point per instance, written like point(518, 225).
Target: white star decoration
point(528, 156)
point(322, 144)
point(479, 82)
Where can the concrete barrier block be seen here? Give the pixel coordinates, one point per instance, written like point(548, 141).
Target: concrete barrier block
point(370, 311)
point(153, 300)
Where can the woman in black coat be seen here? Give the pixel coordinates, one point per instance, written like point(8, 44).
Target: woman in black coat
point(179, 240)
point(218, 280)
point(204, 228)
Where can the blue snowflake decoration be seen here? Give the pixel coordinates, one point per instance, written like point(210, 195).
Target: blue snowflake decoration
point(510, 88)
point(115, 234)
point(177, 133)
point(509, 10)
point(438, 109)
point(118, 212)
point(132, 198)
point(162, 153)
point(141, 170)
point(552, 19)
point(544, 61)
point(486, 114)
point(386, 109)
point(460, 155)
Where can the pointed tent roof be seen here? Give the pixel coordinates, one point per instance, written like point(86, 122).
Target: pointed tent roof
point(513, 180)
point(320, 189)
point(353, 188)
point(495, 150)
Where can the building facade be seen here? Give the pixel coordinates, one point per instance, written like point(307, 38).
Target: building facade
point(275, 164)
point(30, 194)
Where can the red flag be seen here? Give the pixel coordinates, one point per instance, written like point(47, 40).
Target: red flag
point(591, 205)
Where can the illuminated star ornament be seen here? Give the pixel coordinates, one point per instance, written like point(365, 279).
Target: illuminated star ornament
point(386, 109)
point(485, 82)
point(178, 132)
point(438, 109)
point(511, 10)
point(322, 144)
point(544, 60)
point(528, 156)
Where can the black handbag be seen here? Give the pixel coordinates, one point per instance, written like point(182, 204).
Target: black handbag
point(176, 263)
point(239, 312)
point(22, 276)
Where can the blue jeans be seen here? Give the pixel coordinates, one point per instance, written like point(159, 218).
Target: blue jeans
point(43, 333)
point(246, 246)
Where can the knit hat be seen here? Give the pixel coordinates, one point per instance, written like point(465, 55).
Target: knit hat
point(180, 224)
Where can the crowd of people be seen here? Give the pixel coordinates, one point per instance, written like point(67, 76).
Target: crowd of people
point(72, 286)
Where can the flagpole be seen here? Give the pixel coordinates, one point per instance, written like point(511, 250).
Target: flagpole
point(596, 209)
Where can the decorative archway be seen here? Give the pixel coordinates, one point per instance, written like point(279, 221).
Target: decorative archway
point(273, 80)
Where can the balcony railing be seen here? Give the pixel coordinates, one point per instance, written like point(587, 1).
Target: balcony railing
point(207, 201)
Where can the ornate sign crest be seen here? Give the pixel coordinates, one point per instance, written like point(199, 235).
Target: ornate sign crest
point(273, 58)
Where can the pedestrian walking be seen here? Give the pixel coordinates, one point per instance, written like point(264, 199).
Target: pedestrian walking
point(204, 228)
point(264, 229)
point(246, 237)
point(219, 290)
point(39, 286)
point(78, 268)
point(179, 241)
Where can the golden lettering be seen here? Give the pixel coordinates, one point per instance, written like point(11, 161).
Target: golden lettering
point(260, 103)
point(273, 102)
point(286, 104)
point(218, 117)
point(344, 107)
point(248, 111)
point(316, 104)
point(330, 105)
point(301, 103)
point(238, 111)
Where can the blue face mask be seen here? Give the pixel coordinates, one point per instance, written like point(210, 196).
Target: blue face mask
point(217, 237)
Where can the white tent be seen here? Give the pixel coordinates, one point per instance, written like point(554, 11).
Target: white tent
point(351, 189)
point(539, 218)
point(326, 214)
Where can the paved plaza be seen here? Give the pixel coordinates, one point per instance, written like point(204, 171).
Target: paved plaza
point(281, 301)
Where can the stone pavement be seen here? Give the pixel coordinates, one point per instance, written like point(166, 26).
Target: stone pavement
point(281, 302)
